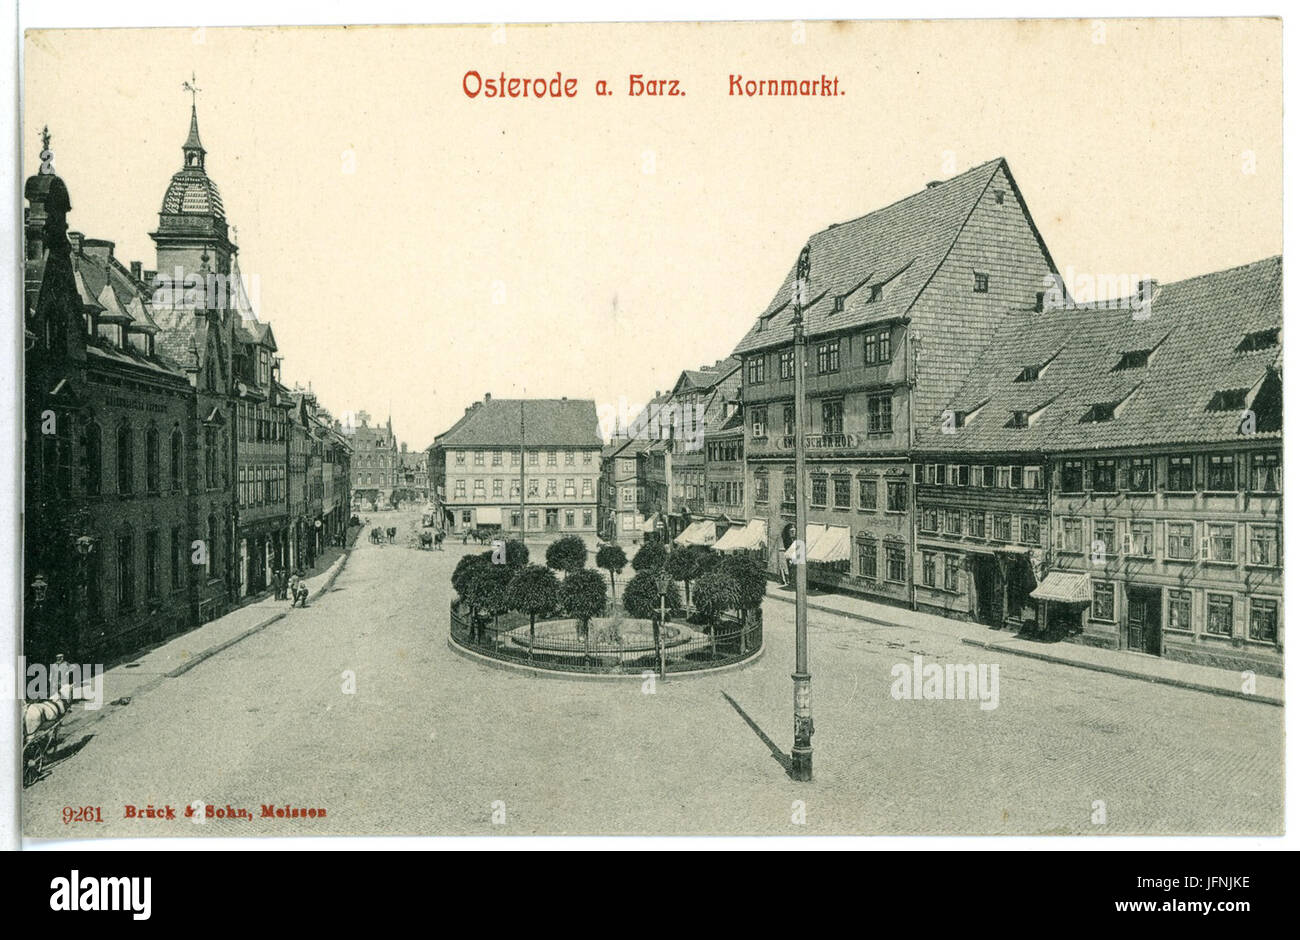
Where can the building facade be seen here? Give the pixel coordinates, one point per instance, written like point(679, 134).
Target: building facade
point(900, 305)
point(528, 466)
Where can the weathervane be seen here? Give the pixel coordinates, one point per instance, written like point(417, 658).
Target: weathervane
point(192, 87)
point(47, 156)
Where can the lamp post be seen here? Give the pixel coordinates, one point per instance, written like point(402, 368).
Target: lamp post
point(662, 581)
point(801, 753)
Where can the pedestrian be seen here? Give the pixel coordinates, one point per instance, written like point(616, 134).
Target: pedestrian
point(300, 590)
point(280, 583)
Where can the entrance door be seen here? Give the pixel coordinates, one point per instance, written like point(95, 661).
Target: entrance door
point(984, 574)
point(1144, 620)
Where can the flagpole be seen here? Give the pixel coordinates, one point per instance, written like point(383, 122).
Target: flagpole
point(801, 753)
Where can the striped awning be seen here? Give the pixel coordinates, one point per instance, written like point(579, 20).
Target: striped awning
point(698, 533)
point(1064, 587)
point(834, 544)
point(650, 523)
point(752, 535)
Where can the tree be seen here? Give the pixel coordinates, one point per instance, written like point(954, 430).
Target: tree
point(516, 554)
point(649, 557)
point(534, 590)
point(641, 596)
point(567, 554)
point(715, 593)
point(751, 586)
point(613, 559)
point(487, 587)
point(687, 562)
point(460, 576)
point(582, 596)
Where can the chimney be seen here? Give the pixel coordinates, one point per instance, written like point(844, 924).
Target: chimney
point(75, 239)
point(137, 270)
point(150, 277)
point(487, 396)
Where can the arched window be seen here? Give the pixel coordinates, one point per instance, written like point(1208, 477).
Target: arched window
point(178, 460)
point(125, 460)
point(151, 460)
point(93, 456)
point(56, 458)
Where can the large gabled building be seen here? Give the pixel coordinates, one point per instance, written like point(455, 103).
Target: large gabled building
point(1150, 432)
point(900, 305)
point(548, 449)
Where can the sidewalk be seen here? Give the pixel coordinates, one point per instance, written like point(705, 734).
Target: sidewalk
point(1198, 678)
point(182, 653)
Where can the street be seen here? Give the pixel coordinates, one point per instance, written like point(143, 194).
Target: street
point(357, 706)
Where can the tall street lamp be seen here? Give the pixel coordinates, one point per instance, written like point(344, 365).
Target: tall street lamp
point(662, 581)
point(801, 753)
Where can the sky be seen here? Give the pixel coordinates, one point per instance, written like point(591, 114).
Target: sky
point(415, 248)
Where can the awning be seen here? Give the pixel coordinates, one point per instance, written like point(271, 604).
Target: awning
point(812, 533)
point(831, 545)
point(752, 535)
point(488, 515)
point(650, 523)
point(1064, 587)
point(698, 533)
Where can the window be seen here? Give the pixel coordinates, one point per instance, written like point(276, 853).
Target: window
point(1001, 527)
point(1180, 611)
point(975, 525)
point(533, 458)
point(1103, 601)
point(552, 486)
point(1266, 472)
point(1029, 373)
point(1133, 359)
point(568, 458)
point(460, 488)
point(1218, 614)
point(1004, 478)
point(895, 564)
point(787, 420)
point(1178, 541)
point(952, 519)
point(478, 458)
point(756, 368)
point(586, 487)
point(880, 418)
point(837, 303)
point(1103, 537)
point(1030, 531)
point(92, 443)
point(570, 487)
point(498, 486)
point(586, 456)
point(532, 518)
point(151, 587)
point(828, 357)
point(569, 517)
point(1103, 475)
point(125, 571)
point(867, 558)
point(785, 364)
point(1072, 476)
point(896, 496)
point(1263, 546)
point(819, 491)
point(460, 458)
point(178, 549)
point(1230, 399)
point(1033, 478)
point(951, 573)
point(1263, 620)
point(552, 458)
point(125, 461)
point(929, 519)
point(927, 569)
point(1100, 411)
point(868, 491)
point(758, 421)
point(1221, 543)
point(981, 283)
point(876, 347)
point(152, 470)
point(833, 417)
point(1141, 539)
point(760, 487)
point(843, 497)
point(178, 460)
point(1140, 475)
point(1180, 475)
point(586, 518)
point(534, 487)
point(1072, 535)
point(1221, 473)
point(243, 488)
point(496, 458)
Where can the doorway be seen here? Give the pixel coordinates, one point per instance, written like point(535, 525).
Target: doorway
point(1144, 620)
point(988, 594)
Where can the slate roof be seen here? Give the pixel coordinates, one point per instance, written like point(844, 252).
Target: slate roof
point(548, 422)
point(1195, 330)
point(899, 247)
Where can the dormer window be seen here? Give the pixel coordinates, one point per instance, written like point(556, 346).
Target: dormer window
point(1029, 374)
point(1134, 359)
point(981, 283)
point(1232, 399)
point(1260, 339)
point(1019, 419)
point(1101, 411)
point(998, 196)
point(837, 305)
point(875, 292)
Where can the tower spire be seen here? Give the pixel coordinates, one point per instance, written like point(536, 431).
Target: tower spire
point(193, 147)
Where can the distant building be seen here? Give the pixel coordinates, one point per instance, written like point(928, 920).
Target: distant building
point(548, 449)
point(376, 461)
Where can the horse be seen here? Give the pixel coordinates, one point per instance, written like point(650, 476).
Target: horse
point(392, 533)
point(426, 540)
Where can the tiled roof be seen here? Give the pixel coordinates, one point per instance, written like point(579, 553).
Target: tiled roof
point(1194, 333)
point(899, 247)
point(553, 422)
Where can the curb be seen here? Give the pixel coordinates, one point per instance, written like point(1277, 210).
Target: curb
point(214, 650)
point(1129, 673)
point(542, 673)
point(332, 575)
point(1059, 660)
